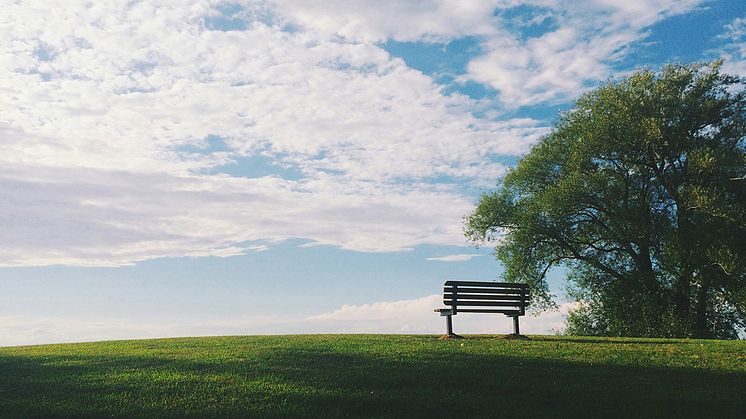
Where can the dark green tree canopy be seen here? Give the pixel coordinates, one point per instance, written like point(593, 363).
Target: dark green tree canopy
point(640, 191)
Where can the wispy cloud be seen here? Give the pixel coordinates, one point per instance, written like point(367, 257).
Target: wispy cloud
point(455, 258)
point(371, 21)
point(556, 65)
point(735, 30)
point(94, 217)
point(734, 51)
point(536, 51)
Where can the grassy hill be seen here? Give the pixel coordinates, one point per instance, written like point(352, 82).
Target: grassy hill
point(376, 375)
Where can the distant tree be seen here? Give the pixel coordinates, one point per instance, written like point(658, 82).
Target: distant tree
point(640, 192)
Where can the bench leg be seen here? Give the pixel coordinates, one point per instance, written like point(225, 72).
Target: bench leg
point(516, 331)
point(449, 329)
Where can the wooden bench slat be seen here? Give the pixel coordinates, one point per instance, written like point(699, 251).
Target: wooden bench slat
point(496, 289)
point(449, 296)
point(467, 290)
point(487, 284)
point(508, 291)
point(486, 310)
point(474, 300)
point(460, 304)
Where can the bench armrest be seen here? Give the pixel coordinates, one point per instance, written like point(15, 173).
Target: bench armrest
point(444, 311)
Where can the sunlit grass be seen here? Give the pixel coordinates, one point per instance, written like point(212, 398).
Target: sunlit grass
point(376, 375)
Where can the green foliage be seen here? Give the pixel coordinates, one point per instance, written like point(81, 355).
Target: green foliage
point(375, 376)
point(640, 192)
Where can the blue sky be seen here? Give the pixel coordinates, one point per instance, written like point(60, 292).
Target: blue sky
point(287, 166)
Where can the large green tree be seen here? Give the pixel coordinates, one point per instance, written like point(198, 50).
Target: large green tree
point(639, 192)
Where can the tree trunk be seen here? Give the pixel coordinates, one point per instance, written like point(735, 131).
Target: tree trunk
point(700, 329)
point(682, 288)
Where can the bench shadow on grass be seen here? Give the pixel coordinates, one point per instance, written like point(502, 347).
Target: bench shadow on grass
point(326, 383)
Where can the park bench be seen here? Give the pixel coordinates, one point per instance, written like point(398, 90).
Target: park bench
point(483, 297)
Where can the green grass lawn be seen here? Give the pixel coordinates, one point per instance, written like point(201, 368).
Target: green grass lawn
point(376, 375)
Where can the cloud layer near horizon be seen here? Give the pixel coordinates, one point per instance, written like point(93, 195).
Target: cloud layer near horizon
point(413, 316)
point(121, 120)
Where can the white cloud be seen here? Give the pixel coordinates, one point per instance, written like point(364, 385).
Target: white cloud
point(21, 330)
point(734, 52)
point(455, 258)
point(418, 316)
point(405, 316)
point(557, 65)
point(735, 30)
point(432, 20)
point(93, 217)
point(106, 109)
point(575, 44)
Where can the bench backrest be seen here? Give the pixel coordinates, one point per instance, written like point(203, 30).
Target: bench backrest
point(491, 297)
